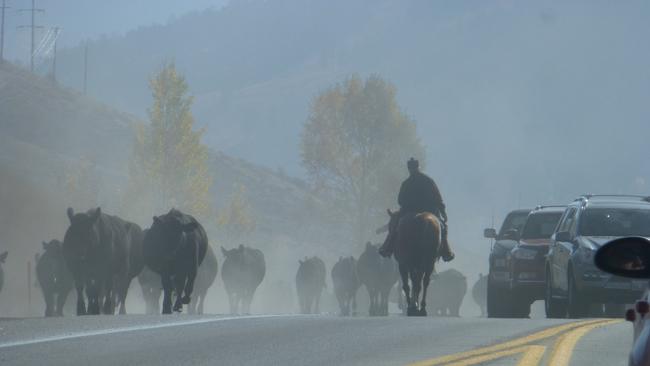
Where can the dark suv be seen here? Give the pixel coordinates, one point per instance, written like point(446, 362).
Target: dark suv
point(573, 283)
point(526, 260)
point(499, 275)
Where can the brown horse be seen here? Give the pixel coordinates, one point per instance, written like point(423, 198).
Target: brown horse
point(416, 239)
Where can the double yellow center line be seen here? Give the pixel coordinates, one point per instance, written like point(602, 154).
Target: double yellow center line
point(531, 354)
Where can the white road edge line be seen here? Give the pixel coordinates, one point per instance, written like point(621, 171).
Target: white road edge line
point(134, 329)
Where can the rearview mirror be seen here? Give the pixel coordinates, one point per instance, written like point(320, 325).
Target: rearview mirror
point(490, 233)
point(563, 236)
point(626, 257)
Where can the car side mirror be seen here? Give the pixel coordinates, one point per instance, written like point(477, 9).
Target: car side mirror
point(564, 236)
point(626, 257)
point(490, 233)
point(511, 234)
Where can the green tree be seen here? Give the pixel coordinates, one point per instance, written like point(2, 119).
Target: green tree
point(236, 220)
point(169, 165)
point(355, 143)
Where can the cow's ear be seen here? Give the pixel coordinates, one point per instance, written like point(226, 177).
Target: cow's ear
point(301, 261)
point(70, 212)
point(3, 257)
point(95, 216)
point(156, 220)
point(224, 251)
point(190, 227)
point(368, 245)
point(45, 245)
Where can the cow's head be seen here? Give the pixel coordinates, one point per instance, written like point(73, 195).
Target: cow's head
point(168, 231)
point(52, 246)
point(3, 257)
point(82, 235)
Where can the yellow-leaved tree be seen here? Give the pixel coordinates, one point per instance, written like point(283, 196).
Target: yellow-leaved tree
point(169, 165)
point(355, 144)
point(236, 221)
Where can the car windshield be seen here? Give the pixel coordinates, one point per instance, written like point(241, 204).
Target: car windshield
point(615, 222)
point(540, 226)
point(514, 221)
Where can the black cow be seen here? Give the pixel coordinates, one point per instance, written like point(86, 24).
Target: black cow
point(174, 248)
point(3, 257)
point(378, 274)
point(54, 278)
point(446, 293)
point(104, 253)
point(346, 283)
point(243, 271)
point(310, 282)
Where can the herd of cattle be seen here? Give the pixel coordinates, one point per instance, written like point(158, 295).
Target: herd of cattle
point(101, 254)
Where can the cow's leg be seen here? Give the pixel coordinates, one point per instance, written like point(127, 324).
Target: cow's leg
point(425, 287)
point(179, 284)
point(384, 302)
point(354, 303)
point(109, 302)
point(248, 300)
point(318, 295)
point(92, 293)
point(167, 293)
point(189, 286)
point(60, 302)
point(48, 296)
point(199, 309)
point(79, 287)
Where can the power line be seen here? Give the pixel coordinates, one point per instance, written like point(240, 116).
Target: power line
point(33, 10)
point(2, 30)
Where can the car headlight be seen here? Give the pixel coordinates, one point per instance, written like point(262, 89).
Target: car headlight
point(525, 254)
point(586, 255)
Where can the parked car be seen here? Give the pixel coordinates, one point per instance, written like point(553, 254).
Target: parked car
point(499, 275)
point(630, 257)
point(573, 283)
point(525, 262)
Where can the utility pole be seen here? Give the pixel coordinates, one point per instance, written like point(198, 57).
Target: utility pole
point(33, 10)
point(86, 68)
point(57, 30)
point(2, 30)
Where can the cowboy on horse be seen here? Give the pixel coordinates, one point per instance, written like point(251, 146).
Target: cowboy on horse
point(419, 194)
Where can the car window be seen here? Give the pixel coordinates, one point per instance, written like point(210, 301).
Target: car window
point(513, 221)
point(541, 225)
point(568, 220)
point(615, 222)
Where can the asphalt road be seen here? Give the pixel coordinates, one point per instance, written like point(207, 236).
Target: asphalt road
point(309, 340)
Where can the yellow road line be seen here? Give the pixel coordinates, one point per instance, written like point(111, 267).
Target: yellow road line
point(547, 333)
point(566, 344)
point(530, 354)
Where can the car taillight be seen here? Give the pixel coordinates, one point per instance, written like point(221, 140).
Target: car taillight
point(642, 307)
point(630, 315)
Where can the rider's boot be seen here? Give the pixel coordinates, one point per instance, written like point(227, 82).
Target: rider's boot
point(445, 250)
point(386, 250)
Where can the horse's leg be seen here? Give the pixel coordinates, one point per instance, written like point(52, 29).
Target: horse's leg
point(416, 280)
point(425, 287)
point(405, 287)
